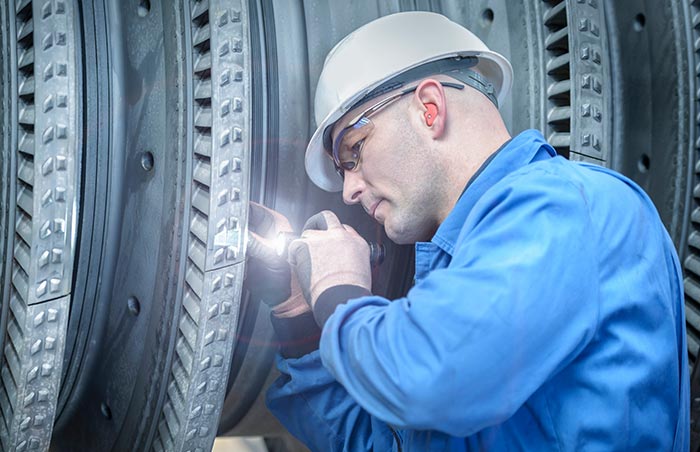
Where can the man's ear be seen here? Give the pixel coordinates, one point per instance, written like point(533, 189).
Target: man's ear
point(430, 100)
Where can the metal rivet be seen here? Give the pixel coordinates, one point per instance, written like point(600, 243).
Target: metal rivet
point(487, 17)
point(644, 163)
point(134, 306)
point(106, 411)
point(147, 161)
point(144, 8)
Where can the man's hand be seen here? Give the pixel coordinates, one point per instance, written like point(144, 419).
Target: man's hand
point(329, 254)
point(269, 276)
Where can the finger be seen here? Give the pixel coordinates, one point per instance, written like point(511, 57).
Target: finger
point(259, 218)
point(266, 221)
point(300, 259)
point(351, 230)
point(256, 247)
point(259, 248)
point(294, 251)
point(310, 233)
point(323, 221)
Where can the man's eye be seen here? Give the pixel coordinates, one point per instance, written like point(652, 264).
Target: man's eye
point(348, 166)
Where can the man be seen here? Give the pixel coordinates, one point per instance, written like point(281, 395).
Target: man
point(547, 312)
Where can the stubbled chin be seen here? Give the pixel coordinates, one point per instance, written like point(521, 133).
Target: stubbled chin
point(406, 235)
point(398, 234)
point(398, 237)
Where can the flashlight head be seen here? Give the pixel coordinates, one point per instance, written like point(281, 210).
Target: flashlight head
point(377, 252)
point(282, 242)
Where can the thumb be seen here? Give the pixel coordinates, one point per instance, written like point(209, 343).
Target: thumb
point(260, 249)
point(259, 218)
point(298, 252)
point(300, 258)
point(352, 230)
point(322, 221)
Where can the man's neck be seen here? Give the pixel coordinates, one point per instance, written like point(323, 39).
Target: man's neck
point(467, 163)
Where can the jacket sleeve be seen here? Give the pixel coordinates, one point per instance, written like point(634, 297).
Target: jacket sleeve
point(319, 412)
point(472, 342)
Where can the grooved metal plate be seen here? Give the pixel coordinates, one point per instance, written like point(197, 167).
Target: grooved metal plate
point(31, 372)
point(47, 164)
point(214, 269)
point(590, 78)
point(46, 186)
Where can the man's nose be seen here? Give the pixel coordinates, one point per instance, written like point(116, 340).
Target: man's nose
point(353, 186)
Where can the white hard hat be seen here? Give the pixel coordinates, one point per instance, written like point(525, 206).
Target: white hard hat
point(377, 52)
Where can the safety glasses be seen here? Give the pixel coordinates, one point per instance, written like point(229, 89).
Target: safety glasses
point(347, 146)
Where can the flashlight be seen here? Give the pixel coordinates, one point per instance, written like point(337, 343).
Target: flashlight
point(377, 252)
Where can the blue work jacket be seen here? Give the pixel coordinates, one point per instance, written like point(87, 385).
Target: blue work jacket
point(547, 314)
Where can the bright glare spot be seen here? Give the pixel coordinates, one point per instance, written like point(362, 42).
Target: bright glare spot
point(281, 244)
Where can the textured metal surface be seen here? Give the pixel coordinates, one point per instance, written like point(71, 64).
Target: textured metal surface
point(590, 81)
point(47, 157)
point(691, 261)
point(555, 25)
point(254, 351)
point(153, 371)
point(8, 141)
point(570, 40)
point(221, 78)
point(120, 378)
point(207, 326)
point(690, 254)
point(198, 377)
point(47, 171)
point(31, 373)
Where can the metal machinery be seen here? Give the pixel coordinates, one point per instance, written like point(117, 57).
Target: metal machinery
point(135, 131)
